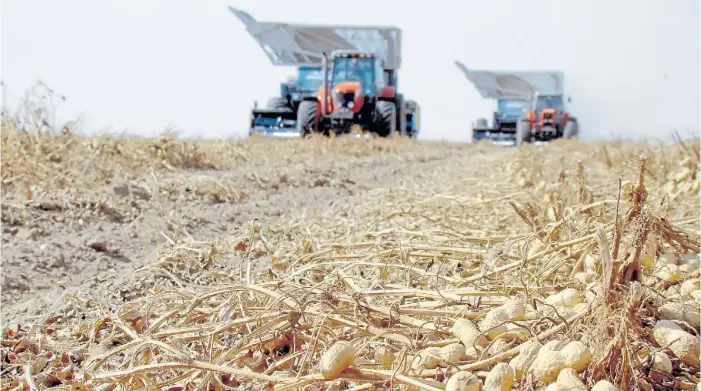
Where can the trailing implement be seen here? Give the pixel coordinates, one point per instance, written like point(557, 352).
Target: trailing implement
point(505, 121)
point(279, 117)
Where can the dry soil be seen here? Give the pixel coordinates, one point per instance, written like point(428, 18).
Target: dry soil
point(89, 240)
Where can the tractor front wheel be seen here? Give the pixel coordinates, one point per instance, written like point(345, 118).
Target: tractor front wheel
point(523, 132)
point(307, 118)
point(385, 120)
point(571, 130)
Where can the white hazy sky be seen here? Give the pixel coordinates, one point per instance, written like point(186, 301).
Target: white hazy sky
point(631, 66)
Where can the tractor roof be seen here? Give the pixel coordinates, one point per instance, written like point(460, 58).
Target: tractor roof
point(514, 84)
point(303, 44)
point(350, 53)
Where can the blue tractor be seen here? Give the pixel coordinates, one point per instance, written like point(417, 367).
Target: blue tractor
point(279, 117)
point(504, 121)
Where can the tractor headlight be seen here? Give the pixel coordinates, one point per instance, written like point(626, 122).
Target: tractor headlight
point(350, 105)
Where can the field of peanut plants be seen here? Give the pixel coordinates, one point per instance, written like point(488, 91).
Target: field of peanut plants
point(348, 264)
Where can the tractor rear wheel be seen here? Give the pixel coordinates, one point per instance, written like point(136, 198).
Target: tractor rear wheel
point(307, 117)
point(523, 132)
point(385, 118)
point(571, 130)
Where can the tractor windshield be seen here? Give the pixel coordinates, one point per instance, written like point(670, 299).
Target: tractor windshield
point(310, 79)
point(550, 102)
point(511, 107)
point(355, 69)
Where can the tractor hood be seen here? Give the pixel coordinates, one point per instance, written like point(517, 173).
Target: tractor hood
point(343, 87)
point(347, 86)
point(549, 117)
point(345, 96)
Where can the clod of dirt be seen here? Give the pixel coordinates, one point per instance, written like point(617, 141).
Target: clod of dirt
point(321, 183)
point(132, 191)
point(98, 244)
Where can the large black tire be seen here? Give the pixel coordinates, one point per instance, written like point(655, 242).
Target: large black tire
point(307, 118)
point(385, 118)
point(408, 130)
point(401, 118)
point(480, 125)
point(523, 132)
point(571, 130)
point(401, 114)
point(277, 103)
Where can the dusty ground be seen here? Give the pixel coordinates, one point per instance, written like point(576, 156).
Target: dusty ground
point(89, 240)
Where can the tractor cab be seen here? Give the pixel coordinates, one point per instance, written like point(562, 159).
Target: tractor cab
point(549, 102)
point(306, 83)
point(309, 79)
point(508, 111)
point(354, 79)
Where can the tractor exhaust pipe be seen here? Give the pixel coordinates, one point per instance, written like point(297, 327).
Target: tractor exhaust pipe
point(325, 94)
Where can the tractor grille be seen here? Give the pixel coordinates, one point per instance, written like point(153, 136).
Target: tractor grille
point(548, 119)
point(345, 98)
point(507, 126)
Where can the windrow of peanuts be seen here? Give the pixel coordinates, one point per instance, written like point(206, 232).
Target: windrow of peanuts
point(557, 362)
point(541, 273)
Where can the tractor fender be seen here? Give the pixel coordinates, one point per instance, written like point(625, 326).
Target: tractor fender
point(387, 93)
point(571, 130)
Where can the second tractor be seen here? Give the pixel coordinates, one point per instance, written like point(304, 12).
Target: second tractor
point(546, 118)
point(530, 106)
